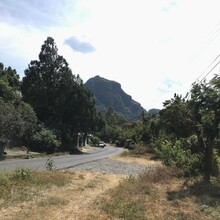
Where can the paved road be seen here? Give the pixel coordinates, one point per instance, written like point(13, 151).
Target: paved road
point(60, 162)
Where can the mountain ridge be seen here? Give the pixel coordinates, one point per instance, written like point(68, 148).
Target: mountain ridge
point(109, 93)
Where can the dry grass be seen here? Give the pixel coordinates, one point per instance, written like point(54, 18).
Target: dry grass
point(145, 160)
point(54, 195)
point(101, 196)
point(160, 195)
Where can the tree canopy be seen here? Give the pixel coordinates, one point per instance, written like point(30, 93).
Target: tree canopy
point(205, 108)
point(58, 97)
point(17, 118)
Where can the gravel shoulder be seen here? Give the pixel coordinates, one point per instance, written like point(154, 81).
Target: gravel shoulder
point(118, 165)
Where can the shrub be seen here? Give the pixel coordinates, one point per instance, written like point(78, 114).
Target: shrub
point(142, 149)
point(174, 155)
point(22, 174)
point(95, 140)
point(215, 163)
point(44, 141)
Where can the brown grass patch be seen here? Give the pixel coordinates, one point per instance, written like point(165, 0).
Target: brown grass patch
point(160, 195)
point(145, 160)
point(76, 198)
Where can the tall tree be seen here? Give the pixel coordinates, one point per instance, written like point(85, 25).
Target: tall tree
point(58, 96)
point(47, 81)
point(175, 118)
point(205, 106)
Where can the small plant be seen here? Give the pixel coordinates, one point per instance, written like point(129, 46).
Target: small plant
point(3, 179)
point(50, 164)
point(22, 174)
point(29, 156)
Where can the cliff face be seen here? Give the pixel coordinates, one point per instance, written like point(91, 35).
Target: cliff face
point(109, 93)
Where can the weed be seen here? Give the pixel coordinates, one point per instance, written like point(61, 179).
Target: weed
point(50, 165)
point(22, 174)
point(3, 179)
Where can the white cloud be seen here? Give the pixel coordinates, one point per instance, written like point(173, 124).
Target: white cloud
point(79, 45)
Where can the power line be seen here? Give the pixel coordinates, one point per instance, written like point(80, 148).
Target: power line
point(210, 71)
point(207, 41)
point(206, 69)
point(187, 93)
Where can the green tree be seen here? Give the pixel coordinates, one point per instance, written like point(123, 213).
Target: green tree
point(11, 76)
point(17, 123)
point(205, 107)
point(176, 118)
point(58, 97)
point(9, 84)
point(47, 82)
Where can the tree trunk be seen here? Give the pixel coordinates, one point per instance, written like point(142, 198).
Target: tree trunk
point(85, 140)
point(208, 157)
point(2, 147)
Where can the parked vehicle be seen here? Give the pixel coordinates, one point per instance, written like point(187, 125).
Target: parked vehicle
point(101, 144)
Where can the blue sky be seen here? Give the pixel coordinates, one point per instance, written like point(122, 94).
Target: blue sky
point(153, 48)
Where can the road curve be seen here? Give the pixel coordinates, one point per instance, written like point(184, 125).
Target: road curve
point(60, 162)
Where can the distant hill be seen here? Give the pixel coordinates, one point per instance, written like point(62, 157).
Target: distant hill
point(109, 93)
point(153, 111)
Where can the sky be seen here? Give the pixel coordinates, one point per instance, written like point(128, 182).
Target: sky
point(153, 48)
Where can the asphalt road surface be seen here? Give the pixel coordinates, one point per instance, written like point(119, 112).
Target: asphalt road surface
point(60, 162)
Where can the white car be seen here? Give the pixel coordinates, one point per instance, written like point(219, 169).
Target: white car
point(101, 144)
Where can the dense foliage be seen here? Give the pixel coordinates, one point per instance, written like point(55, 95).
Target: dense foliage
point(185, 133)
point(17, 118)
point(49, 107)
point(59, 98)
point(196, 122)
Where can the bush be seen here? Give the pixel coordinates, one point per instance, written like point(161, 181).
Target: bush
point(44, 141)
point(174, 155)
point(22, 174)
point(142, 149)
point(215, 163)
point(95, 141)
